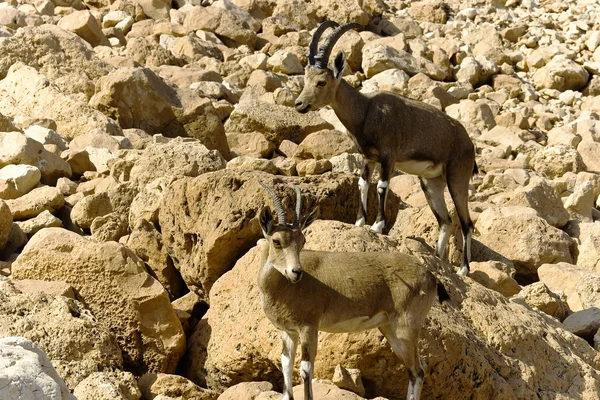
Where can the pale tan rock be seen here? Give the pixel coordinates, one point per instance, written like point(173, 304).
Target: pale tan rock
point(471, 334)
point(176, 112)
point(408, 188)
point(507, 136)
point(16, 240)
point(347, 163)
point(275, 122)
point(52, 288)
point(24, 91)
point(285, 166)
point(324, 145)
point(429, 11)
point(561, 74)
point(146, 242)
point(475, 116)
point(538, 295)
point(313, 167)
point(378, 57)
point(176, 159)
point(252, 164)
point(62, 327)
point(192, 48)
point(348, 379)
point(45, 136)
point(576, 283)
point(79, 160)
point(85, 25)
point(584, 323)
point(327, 391)
point(581, 202)
point(590, 154)
point(252, 144)
point(149, 54)
point(285, 62)
point(89, 208)
point(555, 161)
point(489, 276)
point(288, 148)
point(539, 195)
point(524, 238)
point(41, 221)
point(44, 198)
point(109, 227)
point(146, 204)
point(125, 297)
point(223, 222)
point(246, 390)
point(117, 385)
point(6, 222)
point(18, 179)
point(97, 139)
point(155, 9)
point(64, 58)
point(163, 386)
point(231, 23)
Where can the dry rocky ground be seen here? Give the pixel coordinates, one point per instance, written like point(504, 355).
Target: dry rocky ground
point(132, 137)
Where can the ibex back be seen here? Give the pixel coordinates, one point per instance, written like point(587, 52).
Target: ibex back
point(396, 132)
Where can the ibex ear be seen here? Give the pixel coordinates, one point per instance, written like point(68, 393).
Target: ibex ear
point(310, 218)
point(266, 221)
point(338, 65)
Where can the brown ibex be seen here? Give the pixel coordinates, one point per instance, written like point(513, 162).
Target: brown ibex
point(304, 292)
point(396, 132)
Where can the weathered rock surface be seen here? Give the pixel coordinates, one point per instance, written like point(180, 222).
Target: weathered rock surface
point(577, 284)
point(538, 295)
point(6, 221)
point(62, 327)
point(124, 297)
point(18, 179)
point(115, 385)
point(171, 112)
point(209, 221)
point(470, 336)
point(159, 386)
point(274, 121)
point(25, 91)
point(28, 373)
point(44, 198)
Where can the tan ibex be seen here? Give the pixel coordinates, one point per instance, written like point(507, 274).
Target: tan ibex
point(396, 132)
point(304, 292)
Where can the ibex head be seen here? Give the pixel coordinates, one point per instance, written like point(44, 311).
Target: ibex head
point(321, 83)
point(285, 241)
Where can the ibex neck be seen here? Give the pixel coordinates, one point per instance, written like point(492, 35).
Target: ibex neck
point(350, 106)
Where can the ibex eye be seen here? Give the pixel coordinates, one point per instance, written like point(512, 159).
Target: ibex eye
point(277, 243)
point(321, 84)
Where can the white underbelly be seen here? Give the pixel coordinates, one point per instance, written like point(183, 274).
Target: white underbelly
point(426, 169)
point(356, 324)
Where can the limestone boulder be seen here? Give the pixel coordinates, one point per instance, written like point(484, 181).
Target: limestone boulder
point(234, 25)
point(249, 163)
point(590, 153)
point(276, 122)
point(175, 159)
point(539, 296)
point(577, 284)
point(494, 278)
point(584, 323)
point(192, 48)
point(476, 117)
point(89, 208)
point(470, 335)
point(109, 227)
point(28, 374)
point(117, 385)
point(313, 167)
point(325, 144)
point(561, 74)
point(589, 245)
point(16, 148)
point(124, 298)
point(64, 58)
point(170, 111)
point(206, 236)
point(252, 144)
point(555, 161)
point(6, 221)
point(17, 180)
point(539, 195)
point(44, 198)
point(24, 91)
point(41, 221)
point(62, 327)
point(45, 136)
point(150, 54)
point(285, 62)
point(155, 9)
point(378, 57)
point(157, 386)
point(85, 25)
point(520, 235)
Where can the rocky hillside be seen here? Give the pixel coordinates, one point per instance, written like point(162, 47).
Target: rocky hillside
point(133, 134)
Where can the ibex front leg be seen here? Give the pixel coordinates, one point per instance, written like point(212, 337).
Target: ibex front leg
point(363, 187)
point(387, 167)
point(308, 342)
point(288, 355)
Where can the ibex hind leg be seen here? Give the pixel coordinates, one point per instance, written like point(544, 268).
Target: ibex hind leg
point(363, 187)
point(404, 343)
point(458, 177)
point(434, 193)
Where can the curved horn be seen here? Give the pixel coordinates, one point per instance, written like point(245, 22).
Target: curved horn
point(298, 206)
point(277, 202)
point(322, 58)
point(313, 47)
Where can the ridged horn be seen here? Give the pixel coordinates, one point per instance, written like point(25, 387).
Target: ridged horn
point(298, 206)
point(322, 58)
point(313, 47)
point(277, 202)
